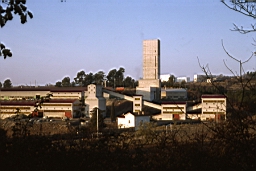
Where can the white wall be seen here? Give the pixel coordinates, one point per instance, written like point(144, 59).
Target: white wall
point(127, 122)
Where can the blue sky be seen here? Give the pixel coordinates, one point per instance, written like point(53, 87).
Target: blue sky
point(91, 35)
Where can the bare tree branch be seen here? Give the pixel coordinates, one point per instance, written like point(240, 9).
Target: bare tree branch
point(245, 7)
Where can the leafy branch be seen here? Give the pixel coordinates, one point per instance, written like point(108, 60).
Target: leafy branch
point(8, 8)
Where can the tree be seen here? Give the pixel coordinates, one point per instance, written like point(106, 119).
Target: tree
point(7, 83)
point(113, 112)
point(183, 84)
point(111, 77)
point(93, 120)
point(245, 7)
point(129, 82)
point(0, 85)
point(80, 78)
point(119, 77)
point(66, 82)
point(88, 79)
point(169, 83)
point(116, 77)
point(12, 7)
point(58, 84)
point(99, 77)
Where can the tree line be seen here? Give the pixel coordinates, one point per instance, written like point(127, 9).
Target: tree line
point(114, 78)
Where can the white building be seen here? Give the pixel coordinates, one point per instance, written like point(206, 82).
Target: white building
point(199, 78)
point(165, 77)
point(180, 79)
point(150, 85)
point(132, 120)
point(213, 107)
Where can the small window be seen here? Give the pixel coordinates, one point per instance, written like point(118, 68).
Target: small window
point(129, 121)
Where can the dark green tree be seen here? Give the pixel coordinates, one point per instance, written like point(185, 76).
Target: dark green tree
point(129, 82)
point(0, 85)
point(58, 84)
point(113, 112)
point(183, 84)
point(111, 77)
point(7, 83)
point(66, 82)
point(80, 78)
point(120, 77)
point(99, 77)
point(93, 120)
point(8, 8)
point(89, 79)
point(170, 81)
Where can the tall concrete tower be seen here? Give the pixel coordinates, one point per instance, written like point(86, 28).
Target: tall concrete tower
point(150, 85)
point(151, 59)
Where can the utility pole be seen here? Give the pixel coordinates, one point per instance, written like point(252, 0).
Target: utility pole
point(97, 122)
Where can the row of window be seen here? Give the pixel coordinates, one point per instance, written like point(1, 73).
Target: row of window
point(213, 101)
point(213, 113)
point(173, 108)
point(57, 111)
point(65, 93)
point(171, 112)
point(11, 113)
point(14, 108)
point(65, 96)
point(45, 104)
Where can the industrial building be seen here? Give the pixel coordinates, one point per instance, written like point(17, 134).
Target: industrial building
point(150, 85)
point(65, 102)
point(174, 94)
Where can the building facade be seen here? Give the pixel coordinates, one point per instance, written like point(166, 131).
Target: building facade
point(180, 79)
point(137, 103)
point(172, 111)
point(150, 85)
point(94, 98)
point(213, 107)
